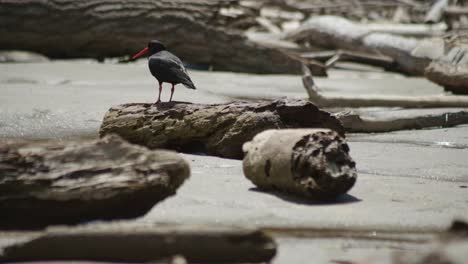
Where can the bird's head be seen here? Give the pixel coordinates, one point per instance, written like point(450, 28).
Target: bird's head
point(153, 47)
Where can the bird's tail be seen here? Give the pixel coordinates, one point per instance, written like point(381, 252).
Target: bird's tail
point(189, 84)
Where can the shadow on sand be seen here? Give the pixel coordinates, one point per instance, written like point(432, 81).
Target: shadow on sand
point(342, 199)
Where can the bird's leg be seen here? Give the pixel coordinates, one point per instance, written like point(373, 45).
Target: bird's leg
point(172, 92)
point(159, 96)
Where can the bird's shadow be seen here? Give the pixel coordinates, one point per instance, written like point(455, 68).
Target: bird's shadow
point(342, 199)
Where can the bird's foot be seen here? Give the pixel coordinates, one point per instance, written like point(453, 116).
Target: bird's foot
point(157, 102)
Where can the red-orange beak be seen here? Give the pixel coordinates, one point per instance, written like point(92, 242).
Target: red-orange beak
point(141, 53)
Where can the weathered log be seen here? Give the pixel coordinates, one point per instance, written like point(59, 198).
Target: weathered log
point(101, 28)
point(372, 100)
point(274, 41)
point(218, 129)
point(331, 57)
point(451, 70)
point(410, 55)
point(356, 9)
point(146, 245)
point(435, 13)
point(313, 163)
point(355, 122)
point(69, 184)
point(455, 11)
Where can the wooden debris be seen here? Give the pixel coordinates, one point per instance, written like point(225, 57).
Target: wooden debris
point(146, 245)
point(311, 163)
point(369, 101)
point(74, 183)
point(214, 129)
point(434, 14)
point(355, 123)
point(410, 55)
point(100, 29)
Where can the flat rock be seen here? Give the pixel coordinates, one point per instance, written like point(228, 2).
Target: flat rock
point(67, 184)
point(215, 129)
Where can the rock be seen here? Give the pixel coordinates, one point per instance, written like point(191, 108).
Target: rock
point(21, 56)
point(217, 129)
point(451, 70)
point(72, 183)
point(148, 245)
point(312, 163)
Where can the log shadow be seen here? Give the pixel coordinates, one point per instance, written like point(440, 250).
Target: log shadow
point(342, 199)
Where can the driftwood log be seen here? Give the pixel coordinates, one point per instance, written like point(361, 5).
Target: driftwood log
point(192, 29)
point(69, 184)
point(369, 10)
point(312, 163)
point(218, 129)
point(436, 12)
point(451, 70)
point(410, 55)
point(371, 101)
point(133, 245)
point(410, 119)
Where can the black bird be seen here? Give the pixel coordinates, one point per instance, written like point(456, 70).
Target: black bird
point(165, 67)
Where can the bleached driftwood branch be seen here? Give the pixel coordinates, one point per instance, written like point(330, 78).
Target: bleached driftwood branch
point(372, 101)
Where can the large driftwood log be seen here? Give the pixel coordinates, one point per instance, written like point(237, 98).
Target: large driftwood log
point(138, 245)
point(312, 163)
point(410, 55)
point(451, 70)
point(218, 129)
point(100, 28)
point(68, 184)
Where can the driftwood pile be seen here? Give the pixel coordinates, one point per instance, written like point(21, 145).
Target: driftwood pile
point(234, 35)
point(411, 37)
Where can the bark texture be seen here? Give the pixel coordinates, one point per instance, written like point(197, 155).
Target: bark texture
point(106, 179)
point(313, 163)
point(218, 129)
point(193, 30)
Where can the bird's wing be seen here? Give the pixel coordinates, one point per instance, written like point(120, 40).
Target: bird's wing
point(175, 65)
point(174, 62)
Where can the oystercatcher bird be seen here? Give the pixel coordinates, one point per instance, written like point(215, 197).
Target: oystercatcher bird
point(165, 67)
